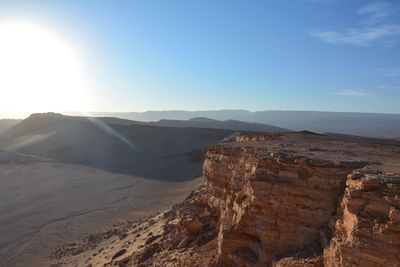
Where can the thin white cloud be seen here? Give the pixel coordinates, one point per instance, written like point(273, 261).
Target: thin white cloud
point(390, 72)
point(377, 12)
point(388, 87)
point(376, 30)
point(382, 34)
point(351, 93)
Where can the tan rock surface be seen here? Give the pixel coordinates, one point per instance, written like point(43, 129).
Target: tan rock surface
point(367, 232)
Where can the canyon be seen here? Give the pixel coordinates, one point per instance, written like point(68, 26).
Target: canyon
point(293, 199)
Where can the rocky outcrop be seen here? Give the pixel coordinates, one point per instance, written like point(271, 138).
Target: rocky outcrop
point(270, 204)
point(278, 200)
point(367, 232)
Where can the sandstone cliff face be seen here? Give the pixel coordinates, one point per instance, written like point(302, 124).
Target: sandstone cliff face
point(277, 200)
point(367, 233)
point(270, 205)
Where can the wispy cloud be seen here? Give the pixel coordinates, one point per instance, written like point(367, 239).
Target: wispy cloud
point(351, 93)
point(382, 34)
point(376, 30)
point(388, 87)
point(377, 12)
point(390, 72)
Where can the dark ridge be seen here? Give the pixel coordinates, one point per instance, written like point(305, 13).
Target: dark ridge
point(311, 133)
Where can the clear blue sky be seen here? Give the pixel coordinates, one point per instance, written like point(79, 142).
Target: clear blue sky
point(257, 55)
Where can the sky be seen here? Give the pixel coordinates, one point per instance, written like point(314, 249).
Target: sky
point(328, 55)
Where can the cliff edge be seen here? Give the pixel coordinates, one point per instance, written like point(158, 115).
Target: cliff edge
point(295, 199)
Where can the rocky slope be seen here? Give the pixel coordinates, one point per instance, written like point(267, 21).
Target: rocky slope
point(295, 199)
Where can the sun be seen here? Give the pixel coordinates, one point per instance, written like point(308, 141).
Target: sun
point(39, 71)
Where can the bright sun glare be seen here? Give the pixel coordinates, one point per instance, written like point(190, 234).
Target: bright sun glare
point(39, 71)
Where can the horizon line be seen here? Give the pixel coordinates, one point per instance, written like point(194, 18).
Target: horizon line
point(21, 114)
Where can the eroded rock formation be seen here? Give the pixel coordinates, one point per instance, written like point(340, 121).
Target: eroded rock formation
point(276, 200)
point(270, 204)
point(367, 232)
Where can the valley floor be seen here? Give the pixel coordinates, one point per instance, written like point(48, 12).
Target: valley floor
point(46, 204)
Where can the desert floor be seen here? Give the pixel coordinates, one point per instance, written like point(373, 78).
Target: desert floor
point(44, 204)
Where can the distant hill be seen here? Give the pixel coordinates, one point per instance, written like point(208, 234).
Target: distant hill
point(164, 153)
point(197, 122)
point(351, 123)
point(233, 125)
point(6, 124)
point(222, 115)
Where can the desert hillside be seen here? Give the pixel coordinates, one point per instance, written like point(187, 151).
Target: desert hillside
point(295, 199)
point(163, 153)
point(6, 124)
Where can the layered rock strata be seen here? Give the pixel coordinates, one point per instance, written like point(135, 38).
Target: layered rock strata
point(270, 204)
point(295, 199)
point(367, 232)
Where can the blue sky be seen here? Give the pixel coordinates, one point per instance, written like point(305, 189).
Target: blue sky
point(335, 55)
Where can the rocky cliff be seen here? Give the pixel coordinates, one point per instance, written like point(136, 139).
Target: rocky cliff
point(367, 232)
point(297, 199)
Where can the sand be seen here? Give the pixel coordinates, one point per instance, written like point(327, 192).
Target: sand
point(44, 204)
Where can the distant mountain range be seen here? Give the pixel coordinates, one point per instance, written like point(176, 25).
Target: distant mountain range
point(164, 150)
point(198, 122)
point(233, 125)
point(351, 123)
